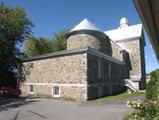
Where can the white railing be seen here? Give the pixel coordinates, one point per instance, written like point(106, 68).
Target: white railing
point(131, 85)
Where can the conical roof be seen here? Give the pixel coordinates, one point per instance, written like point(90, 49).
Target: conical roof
point(85, 25)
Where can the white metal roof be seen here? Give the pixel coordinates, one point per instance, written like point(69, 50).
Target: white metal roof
point(123, 33)
point(85, 25)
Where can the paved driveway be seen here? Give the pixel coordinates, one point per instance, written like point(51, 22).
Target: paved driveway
point(50, 109)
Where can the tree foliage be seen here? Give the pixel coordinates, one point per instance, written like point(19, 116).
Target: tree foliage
point(152, 88)
point(37, 46)
point(34, 46)
point(14, 29)
point(60, 40)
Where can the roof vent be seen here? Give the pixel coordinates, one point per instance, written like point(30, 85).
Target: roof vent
point(123, 22)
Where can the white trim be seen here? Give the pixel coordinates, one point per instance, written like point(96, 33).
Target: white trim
point(105, 84)
point(57, 84)
point(127, 39)
point(71, 85)
point(136, 78)
point(53, 91)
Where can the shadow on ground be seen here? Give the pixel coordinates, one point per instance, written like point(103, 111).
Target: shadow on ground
point(6, 104)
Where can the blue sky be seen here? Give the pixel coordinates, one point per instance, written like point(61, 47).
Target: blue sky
point(50, 16)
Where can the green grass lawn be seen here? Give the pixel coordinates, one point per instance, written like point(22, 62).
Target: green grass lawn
point(121, 96)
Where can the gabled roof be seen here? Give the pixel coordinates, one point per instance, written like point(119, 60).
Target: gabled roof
point(85, 25)
point(124, 33)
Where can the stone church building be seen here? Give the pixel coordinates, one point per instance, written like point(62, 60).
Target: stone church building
point(95, 64)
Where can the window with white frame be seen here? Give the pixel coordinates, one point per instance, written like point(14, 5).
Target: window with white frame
point(56, 91)
point(31, 89)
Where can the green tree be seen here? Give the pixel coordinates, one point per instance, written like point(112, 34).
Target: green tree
point(14, 29)
point(35, 46)
point(60, 40)
point(43, 46)
point(30, 47)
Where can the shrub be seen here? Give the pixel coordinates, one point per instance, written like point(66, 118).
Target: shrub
point(149, 110)
point(152, 88)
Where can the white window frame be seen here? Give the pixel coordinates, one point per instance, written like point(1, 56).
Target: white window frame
point(99, 70)
point(29, 91)
point(109, 73)
point(53, 92)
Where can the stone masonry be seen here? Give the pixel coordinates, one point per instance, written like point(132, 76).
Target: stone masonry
point(136, 51)
point(94, 39)
point(64, 71)
point(94, 65)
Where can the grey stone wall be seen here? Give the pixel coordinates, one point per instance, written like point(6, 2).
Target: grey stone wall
point(66, 69)
point(71, 92)
point(76, 75)
point(137, 59)
point(38, 89)
point(122, 55)
point(109, 82)
point(134, 51)
point(116, 51)
point(76, 93)
point(68, 72)
point(81, 40)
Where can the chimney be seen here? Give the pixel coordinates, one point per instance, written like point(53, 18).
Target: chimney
point(123, 22)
